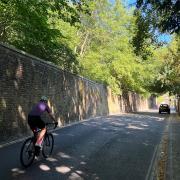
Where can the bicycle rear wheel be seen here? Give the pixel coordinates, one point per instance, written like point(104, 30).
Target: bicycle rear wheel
point(27, 154)
point(48, 145)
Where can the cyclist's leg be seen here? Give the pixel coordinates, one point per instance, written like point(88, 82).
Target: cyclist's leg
point(40, 125)
point(32, 122)
point(36, 122)
point(40, 136)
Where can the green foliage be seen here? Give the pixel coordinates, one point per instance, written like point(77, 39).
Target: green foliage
point(100, 40)
point(144, 37)
point(27, 26)
point(167, 77)
point(109, 56)
point(165, 13)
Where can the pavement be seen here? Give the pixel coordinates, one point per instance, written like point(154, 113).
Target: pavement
point(173, 158)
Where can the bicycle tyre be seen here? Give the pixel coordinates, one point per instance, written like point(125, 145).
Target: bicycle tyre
point(27, 151)
point(48, 145)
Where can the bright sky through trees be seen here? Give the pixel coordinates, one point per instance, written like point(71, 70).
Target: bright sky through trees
point(126, 2)
point(165, 38)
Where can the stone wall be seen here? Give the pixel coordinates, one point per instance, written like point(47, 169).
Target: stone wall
point(178, 105)
point(25, 78)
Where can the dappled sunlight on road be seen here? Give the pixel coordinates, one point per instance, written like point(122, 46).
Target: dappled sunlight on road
point(83, 163)
point(74, 176)
point(154, 116)
point(130, 126)
point(144, 125)
point(79, 172)
point(54, 167)
point(84, 151)
point(117, 122)
point(63, 169)
point(63, 155)
point(17, 171)
point(44, 167)
point(51, 159)
point(160, 119)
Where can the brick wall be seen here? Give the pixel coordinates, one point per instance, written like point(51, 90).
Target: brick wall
point(178, 106)
point(25, 78)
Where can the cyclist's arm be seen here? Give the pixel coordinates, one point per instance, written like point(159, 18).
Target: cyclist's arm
point(52, 116)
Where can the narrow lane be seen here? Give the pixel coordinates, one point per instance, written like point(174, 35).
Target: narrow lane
point(107, 148)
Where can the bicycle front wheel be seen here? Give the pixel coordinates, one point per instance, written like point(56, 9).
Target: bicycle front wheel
point(27, 154)
point(48, 145)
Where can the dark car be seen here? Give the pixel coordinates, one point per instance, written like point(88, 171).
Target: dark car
point(164, 108)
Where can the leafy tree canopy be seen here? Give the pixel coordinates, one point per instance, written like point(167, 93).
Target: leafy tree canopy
point(28, 25)
point(167, 77)
point(100, 40)
point(165, 13)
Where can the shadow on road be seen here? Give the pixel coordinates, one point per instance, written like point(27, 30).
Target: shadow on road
point(153, 113)
point(112, 147)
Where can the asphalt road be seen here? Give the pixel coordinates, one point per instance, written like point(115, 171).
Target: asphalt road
point(119, 147)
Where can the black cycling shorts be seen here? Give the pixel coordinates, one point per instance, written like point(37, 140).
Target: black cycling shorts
point(35, 122)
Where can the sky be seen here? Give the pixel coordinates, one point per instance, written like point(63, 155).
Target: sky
point(162, 37)
point(127, 2)
point(130, 2)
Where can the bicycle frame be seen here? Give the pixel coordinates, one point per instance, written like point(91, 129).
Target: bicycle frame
point(28, 153)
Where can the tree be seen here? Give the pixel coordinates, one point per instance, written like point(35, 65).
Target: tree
point(167, 77)
point(108, 55)
point(164, 15)
point(144, 38)
point(27, 26)
point(165, 12)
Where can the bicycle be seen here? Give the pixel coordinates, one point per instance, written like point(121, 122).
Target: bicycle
point(27, 154)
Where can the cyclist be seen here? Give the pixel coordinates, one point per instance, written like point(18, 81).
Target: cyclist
point(35, 121)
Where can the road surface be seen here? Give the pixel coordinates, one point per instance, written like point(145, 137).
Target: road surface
point(119, 147)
